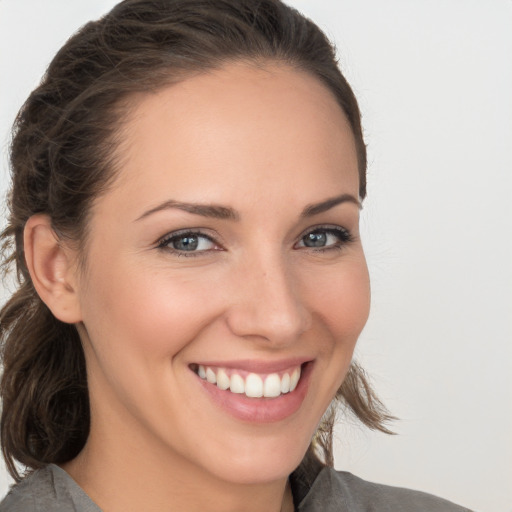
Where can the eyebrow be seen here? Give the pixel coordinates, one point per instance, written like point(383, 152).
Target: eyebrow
point(227, 213)
point(316, 208)
point(205, 210)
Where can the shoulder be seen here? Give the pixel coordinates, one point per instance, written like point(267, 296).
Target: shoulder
point(367, 495)
point(49, 488)
point(339, 491)
point(22, 496)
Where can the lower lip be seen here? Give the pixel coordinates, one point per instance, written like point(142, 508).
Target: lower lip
point(260, 410)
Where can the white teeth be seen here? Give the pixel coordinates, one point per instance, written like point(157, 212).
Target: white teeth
point(223, 381)
point(237, 384)
point(294, 379)
point(254, 385)
point(285, 383)
point(210, 376)
point(272, 386)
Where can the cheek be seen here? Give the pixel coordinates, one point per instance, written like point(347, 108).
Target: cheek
point(145, 315)
point(342, 300)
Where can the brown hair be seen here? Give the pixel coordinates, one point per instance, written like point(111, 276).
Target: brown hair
point(62, 157)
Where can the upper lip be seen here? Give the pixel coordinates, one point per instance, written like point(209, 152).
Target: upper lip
point(257, 365)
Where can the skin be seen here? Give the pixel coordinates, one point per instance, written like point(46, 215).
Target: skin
point(266, 142)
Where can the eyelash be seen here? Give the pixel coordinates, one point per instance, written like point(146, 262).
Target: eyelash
point(164, 243)
point(342, 234)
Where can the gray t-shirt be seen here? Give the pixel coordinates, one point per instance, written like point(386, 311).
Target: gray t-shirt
point(51, 489)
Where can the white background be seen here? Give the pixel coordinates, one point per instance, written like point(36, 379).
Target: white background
point(434, 80)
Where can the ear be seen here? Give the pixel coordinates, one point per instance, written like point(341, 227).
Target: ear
point(52, 267)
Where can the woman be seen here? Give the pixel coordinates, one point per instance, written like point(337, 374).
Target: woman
point(187, 182)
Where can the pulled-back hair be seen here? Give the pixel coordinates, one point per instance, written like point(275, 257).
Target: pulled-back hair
point(63, 157)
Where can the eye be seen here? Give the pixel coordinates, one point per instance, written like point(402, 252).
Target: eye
point(187, 243)
point(324, 238)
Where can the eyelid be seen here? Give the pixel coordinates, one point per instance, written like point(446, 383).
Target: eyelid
point(163, 242)
point(344, 237)
point(344, 234)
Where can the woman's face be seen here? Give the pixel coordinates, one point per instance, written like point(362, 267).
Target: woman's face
point(228, 249)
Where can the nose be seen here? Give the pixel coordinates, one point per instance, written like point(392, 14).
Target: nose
point(266, 302)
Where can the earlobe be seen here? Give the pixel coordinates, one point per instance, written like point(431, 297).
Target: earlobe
point(52, 269)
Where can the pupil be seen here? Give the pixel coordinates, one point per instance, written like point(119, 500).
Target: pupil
point(315, 240)
point(186, 243)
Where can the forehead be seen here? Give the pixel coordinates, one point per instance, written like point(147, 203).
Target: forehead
point(235, 130)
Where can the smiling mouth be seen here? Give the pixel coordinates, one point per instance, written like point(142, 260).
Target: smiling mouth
point(252, 385)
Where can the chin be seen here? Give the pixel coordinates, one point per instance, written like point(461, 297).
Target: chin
point(261, 462)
